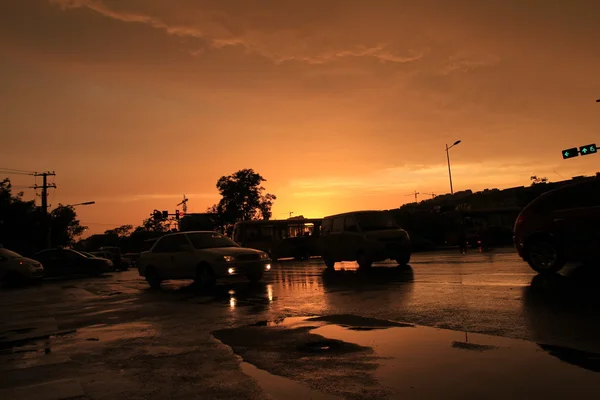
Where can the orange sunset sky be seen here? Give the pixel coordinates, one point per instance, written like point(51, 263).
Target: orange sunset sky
point(340, 105)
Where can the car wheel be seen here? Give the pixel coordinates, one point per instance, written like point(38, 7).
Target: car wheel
point(403, 260)
point(152, 278)
point(329, 262)
point(543, 256)
point(205, 277)
point(363, 260)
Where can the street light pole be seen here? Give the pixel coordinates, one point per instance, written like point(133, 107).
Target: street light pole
point(448, 158)
point(87, 203)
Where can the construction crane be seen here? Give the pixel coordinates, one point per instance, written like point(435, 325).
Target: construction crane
point(431, 194)
point(183, 204)
point(416, 194)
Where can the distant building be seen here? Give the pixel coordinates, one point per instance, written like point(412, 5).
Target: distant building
point(198, 222)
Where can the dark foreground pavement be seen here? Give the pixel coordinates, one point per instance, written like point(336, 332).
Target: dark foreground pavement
point(480, 325)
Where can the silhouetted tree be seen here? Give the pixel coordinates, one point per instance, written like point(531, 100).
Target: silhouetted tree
point(121, 231)
point(64, 226)
point(242, 199)
point(153, 225)
point(536, 180)
point(21, 223)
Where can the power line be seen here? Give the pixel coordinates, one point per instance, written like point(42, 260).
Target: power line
point(18, 171)
point(100, 223)
point(14, 173)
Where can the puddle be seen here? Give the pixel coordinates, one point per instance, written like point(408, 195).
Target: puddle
point(109, 333)
point(280, 388)
point(101, 334)
point(354, 357)
point(468, 365)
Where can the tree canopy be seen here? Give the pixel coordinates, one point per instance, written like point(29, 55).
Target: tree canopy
point(22, 223)
point(242, 199)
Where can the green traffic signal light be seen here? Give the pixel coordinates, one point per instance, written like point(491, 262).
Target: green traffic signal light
point(570, 153)
point(588, 149)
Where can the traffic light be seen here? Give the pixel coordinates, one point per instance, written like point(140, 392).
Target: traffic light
point(157, 215)
point(176, 214)
point(588, 149)
point(165, 214)
point(570, 153)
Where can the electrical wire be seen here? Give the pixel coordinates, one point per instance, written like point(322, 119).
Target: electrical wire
point(13, 172)
point(18, 171)
point(100, 224)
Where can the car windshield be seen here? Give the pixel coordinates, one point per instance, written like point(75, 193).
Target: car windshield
point(210, 240)
point(376, 221)
point(74, 253)
point(9, 254)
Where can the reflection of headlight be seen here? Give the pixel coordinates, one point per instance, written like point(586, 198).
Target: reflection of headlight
point(228, 258)
point(264, 256)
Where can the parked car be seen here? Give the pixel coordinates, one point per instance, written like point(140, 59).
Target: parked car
point(364, 237)
point(64, 262)
point(560, 226)
point(204, 256)
point(117, 264)
point(132, 258)
point(114, 253)
point(15, 269)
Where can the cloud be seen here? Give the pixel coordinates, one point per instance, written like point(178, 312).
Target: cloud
point(466, 63)
point(286, 45)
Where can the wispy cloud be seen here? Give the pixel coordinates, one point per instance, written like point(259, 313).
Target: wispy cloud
point(379, 52)
point(465, 63)
point(279, 51)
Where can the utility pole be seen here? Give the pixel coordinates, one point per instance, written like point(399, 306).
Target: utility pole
point(46, 217)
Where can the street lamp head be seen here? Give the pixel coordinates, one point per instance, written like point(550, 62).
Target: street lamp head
point(87, 203)
point(457, 142)
point(598, 101)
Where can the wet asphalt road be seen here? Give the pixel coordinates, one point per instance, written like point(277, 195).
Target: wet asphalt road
point(119, 339)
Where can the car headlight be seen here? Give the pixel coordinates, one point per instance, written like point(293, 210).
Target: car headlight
point(264, 256)
point(228, 258)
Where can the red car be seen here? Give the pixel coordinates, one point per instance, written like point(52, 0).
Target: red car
point(560, 226)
